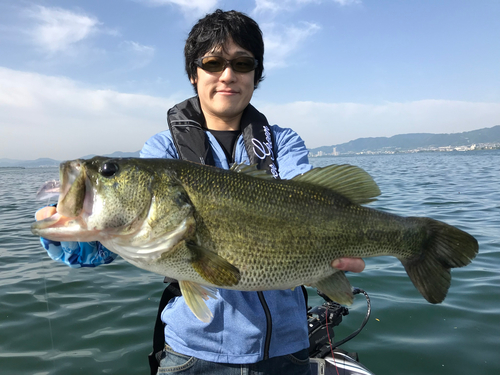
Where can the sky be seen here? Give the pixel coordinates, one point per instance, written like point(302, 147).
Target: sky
point(81, 77)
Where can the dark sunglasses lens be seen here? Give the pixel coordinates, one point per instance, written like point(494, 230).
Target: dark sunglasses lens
point(243, 64)
point(217, 64)
point(213, 64)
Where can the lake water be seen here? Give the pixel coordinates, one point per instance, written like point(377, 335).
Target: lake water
point(58, 320)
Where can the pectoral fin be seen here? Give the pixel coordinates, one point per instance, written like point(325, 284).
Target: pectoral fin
point(195, 296)
point(213, 268)
point(337, 288)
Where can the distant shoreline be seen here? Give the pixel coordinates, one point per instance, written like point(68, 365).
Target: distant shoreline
point(396, 152)
point(320, 154)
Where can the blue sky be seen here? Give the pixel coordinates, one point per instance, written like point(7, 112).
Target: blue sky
point(93, 77)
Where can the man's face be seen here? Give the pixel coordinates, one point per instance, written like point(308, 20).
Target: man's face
point(224, 95)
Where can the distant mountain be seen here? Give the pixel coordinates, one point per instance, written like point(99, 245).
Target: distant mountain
point(116, 154)
point(415, 141)
point(43, 162)
point(46, 162)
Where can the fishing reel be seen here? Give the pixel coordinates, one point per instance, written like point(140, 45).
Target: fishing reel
point(321, 321)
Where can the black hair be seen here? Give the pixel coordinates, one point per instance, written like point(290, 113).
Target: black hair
point(214, 30)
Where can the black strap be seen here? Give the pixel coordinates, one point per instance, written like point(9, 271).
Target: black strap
point(171, 291)
point(186, 122)
point(306, 296)
point(258, 140)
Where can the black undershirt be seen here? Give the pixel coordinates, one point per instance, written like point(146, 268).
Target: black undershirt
point(227, 140)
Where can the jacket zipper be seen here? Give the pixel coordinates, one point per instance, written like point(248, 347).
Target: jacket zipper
point(269, 323)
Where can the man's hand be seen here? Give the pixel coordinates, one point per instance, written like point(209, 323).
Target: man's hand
point(349, 264)
point(45, 212)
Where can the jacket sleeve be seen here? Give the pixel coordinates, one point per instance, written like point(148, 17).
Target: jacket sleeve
point(291, 153)
point(161, 146)
point(78, 254)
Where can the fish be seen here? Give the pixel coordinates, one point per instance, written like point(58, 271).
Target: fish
point(241, 229)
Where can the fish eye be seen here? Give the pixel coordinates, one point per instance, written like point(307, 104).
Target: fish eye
point(108, 169)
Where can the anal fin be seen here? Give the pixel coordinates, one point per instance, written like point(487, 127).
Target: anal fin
point(336, 287)
point(195, 296)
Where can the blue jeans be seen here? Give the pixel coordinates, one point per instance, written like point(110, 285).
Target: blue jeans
point(292, 364)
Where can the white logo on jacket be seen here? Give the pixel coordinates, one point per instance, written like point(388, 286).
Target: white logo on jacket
point(262, 150)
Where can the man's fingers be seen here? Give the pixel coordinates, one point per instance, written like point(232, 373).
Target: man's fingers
point(45, 212)
point(349, 264)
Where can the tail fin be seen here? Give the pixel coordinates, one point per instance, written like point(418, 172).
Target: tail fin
point(446, 247)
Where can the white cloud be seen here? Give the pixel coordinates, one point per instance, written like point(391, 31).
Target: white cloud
point(281, 41)
point(138, 55)
point(57, 29)
point(265, 6)
point(275, 6)
point(44, 116)
point(191, 8)
point(325, 124)
point(347, 2)
point(139, 48)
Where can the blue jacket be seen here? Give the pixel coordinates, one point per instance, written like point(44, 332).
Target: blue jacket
point(238, 331)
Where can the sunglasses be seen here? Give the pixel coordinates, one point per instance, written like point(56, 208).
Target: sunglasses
point(217, 64)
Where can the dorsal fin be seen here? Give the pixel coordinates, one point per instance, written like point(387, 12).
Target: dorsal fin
point(348, 180)
point(251, 170)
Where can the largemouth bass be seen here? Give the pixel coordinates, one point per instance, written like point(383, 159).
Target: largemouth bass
point(241, 229)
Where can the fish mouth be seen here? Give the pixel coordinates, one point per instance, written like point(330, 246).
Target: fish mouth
point(74, 190)
point(75, 199)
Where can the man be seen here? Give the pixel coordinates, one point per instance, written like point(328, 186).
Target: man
point(251, 332)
